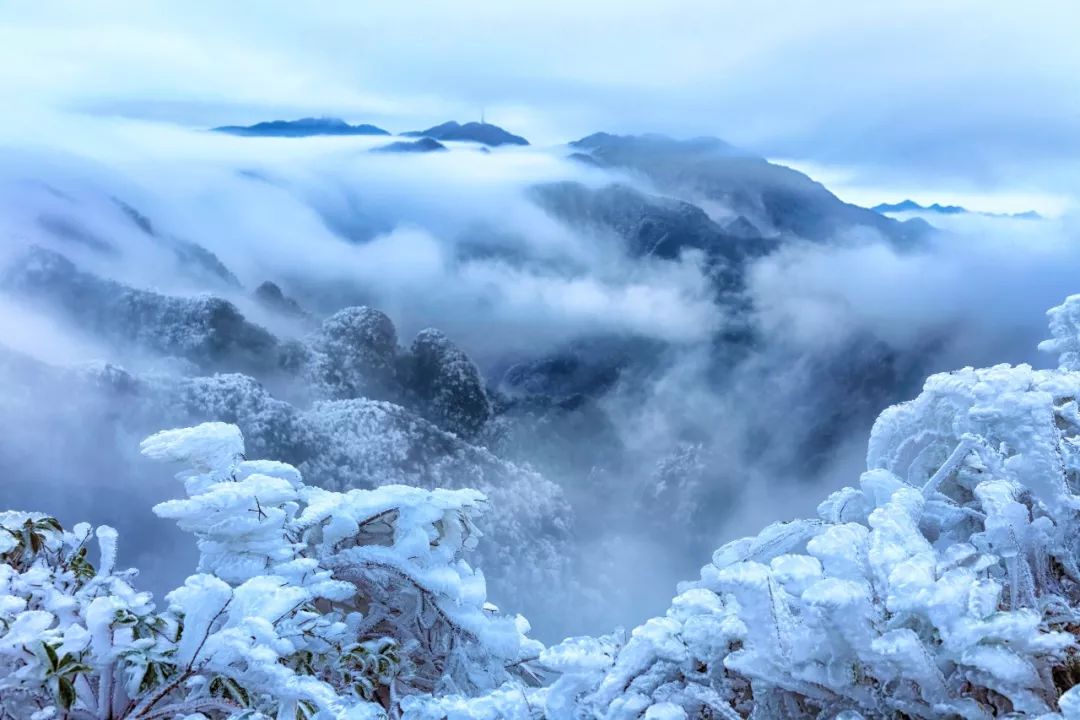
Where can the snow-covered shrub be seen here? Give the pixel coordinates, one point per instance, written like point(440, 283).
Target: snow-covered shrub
point(205, 330)
point(945, 585)
point(1065, 333)
point(447, 385)
point(307, 603)
point(270, 296)
point(355, 355)
point(338, 445)
point(361, 443)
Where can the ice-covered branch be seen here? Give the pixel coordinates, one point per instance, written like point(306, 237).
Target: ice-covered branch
point(307, 603)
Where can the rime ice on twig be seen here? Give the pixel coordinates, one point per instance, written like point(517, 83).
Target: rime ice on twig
point(307, 603)
point(946, 584)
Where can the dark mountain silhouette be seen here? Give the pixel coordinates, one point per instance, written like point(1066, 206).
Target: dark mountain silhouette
point(423, 145)
point(773, 198)
point(912, 206)
point(305, 127)
point(651, 225)
point(484, 133)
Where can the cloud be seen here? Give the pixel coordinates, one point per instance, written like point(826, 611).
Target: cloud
point(908, 91)
point(842, 332)
point(918, 94)
point(985, 286)
point(35, 334)
point(450, 240)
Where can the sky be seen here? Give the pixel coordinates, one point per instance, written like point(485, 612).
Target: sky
point(939, 101)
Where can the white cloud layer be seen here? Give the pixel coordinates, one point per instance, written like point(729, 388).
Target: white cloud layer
point(960, 95)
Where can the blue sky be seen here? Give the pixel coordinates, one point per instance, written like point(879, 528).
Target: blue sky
point(943, 101)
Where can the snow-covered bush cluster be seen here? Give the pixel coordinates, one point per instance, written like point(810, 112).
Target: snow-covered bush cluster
point(345, 404)
point(355, 354)
point(337, 445)
point(945, 585)
point(307, 603)
point(205, 330)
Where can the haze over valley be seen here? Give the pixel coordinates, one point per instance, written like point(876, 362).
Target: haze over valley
point(641, 317)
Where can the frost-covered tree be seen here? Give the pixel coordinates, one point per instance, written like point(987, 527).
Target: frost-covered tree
point(945, 585)
point(1065, 333)
point(307, 603)
point(446, 384)
point(206, 330)
point(355, 355)
point(270, 296)
point(337, 445)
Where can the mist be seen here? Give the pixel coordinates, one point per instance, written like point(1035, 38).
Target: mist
point(406, 234)
point(686, 450)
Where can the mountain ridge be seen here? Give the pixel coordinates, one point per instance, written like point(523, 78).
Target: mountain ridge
point(481, 132)
point(304, 127)
point(909, 205)
point(777, 199)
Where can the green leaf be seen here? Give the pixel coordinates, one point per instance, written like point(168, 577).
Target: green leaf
point(124, 617)
point(67, 693)
point(150, 678)
point(65, 662)
point(364, 688)
point(229, 689)
point(304, 710)
point(50, 654)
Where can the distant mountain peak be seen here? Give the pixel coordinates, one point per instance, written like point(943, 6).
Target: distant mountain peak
point(910, 205)
point(658, 141)
point(304, 127)
point(481, 132)
point(775, 200)
point(423, 145)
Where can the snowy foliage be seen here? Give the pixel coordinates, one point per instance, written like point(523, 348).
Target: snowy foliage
point(359, 443)
point(362, 443)
point(945, 585)
point(307, 603)
point(338, 445)
point(1065, 332)
point(447, 384)
point(355, 355)
point(206, 330)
